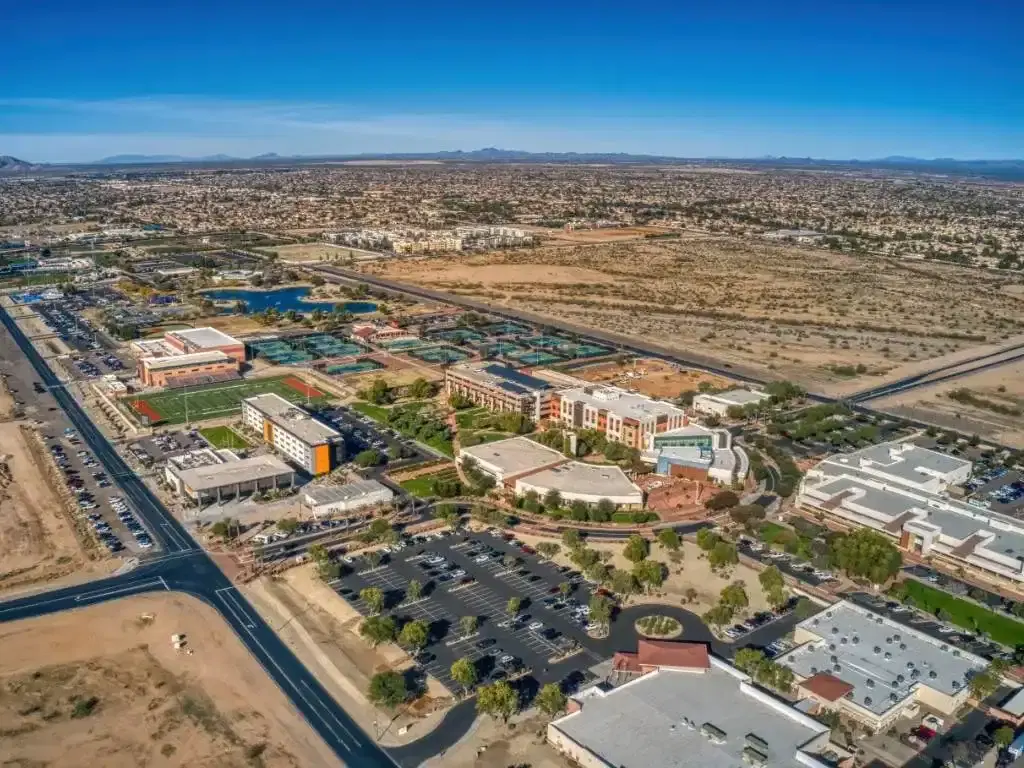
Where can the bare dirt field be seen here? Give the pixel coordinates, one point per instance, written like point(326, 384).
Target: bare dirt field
point(774, 309)
point(311, 252)
point(1002, 386)
point(650, 377)
point(323, 631)
point(692, 572)
point(605, 235)
point(103, 686)
point(493, 745)
point(37, 540)
point(235, 324)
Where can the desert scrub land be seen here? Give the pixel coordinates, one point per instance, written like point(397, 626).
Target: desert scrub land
point(103, 686)
point(819, 317)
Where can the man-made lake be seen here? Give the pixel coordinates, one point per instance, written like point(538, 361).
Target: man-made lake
point(284, 299)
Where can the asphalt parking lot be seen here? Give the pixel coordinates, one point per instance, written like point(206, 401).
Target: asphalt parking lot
point(485, 594)
point(71, 328)
point(998, 489)
point(156, 448)
point(362, 433)
point(924, 623)
point(788, 565)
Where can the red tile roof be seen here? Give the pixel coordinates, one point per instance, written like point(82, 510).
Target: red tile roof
point(826, 686)
point(667, 653)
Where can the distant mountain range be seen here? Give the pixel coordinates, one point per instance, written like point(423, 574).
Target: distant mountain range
point(13, 165)
point(1005, 170)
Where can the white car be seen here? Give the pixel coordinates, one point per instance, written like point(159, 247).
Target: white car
point(481, 559)
point(593, 627)
point(536, 626)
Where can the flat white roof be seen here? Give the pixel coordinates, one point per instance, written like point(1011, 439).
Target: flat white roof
point(292, 418)
point(737, 397)
point(622, 403)
point(183, 361)
point(206, 337)
point(656, 721)
point(590, 482)
point(211, 476)
point(328, 494)
point(883, 660)
point(513, 456)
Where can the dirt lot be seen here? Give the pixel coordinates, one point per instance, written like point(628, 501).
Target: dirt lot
point(1002, 386)
point(103, 686)
point(37, 541)
point(235, 324)
point(650, 377)
point(311, 252)
point(323, 631)
point(502, 746)
point(692, 573)
point(605, 235)
point(769, 308)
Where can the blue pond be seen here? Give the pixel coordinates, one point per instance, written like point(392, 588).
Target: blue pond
point(285, 299)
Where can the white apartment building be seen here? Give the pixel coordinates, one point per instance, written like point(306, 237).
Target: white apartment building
point(720, 403)
point(623, 417)
point(292, 431)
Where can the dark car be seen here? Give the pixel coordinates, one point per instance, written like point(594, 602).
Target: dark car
point(486, 643)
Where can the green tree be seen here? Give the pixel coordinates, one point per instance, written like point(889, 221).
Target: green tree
point(513, 605)
point(723, 555)
point(548, 549)
point(551, 700)
point(318, 553)
point(722, 500)
point(606, 508)
point(378, 629)
point(635, 549)
point(379, 393)
point(707, 538)
point(565, 588)
point(373, 597)
point(369, 458)
point(623, 582)
point(1003, 736)
point(771, 578)
point(387, 689)
point(497, 700)
point(420, 389)
point(553, 500)
point(866, 554)
point(414, 634)
point(746, 513)
point(600, 610)
point(288, 525)
point(468, 624)
point(597, 572)
point(414, 591)
point(571, 538)
point(373, 558)
point(718, 616)
point(578, 510)
point(983, 684)
point(650, 573)
point(776, 597)
point(734, 596)
point(464, 673)
point(669, 539)
point(804, 609)
point(749, 660)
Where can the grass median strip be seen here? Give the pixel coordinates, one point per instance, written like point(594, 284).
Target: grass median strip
point(963, 613)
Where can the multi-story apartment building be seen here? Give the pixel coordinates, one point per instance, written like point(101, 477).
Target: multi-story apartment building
point(623, 417)
point(310, 444)
point(185, 369)
point(500, 388)
point(902, 490)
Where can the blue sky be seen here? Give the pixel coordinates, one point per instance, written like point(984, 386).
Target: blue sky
point(829, 78)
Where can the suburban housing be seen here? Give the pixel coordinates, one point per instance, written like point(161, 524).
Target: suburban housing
point(684, 707)
point(310, 444)
point(875, 670)
point(902, 490)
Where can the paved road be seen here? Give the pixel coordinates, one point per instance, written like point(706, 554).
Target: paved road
point(185, 567)
point(929, 377)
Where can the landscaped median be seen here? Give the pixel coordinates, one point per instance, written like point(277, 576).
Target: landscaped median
point(963, 613)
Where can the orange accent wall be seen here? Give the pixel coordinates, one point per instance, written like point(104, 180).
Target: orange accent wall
point(321, 459)
point(268, 431)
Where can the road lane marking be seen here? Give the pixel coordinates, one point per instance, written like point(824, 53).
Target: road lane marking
point(240, 615)
point(133, 587)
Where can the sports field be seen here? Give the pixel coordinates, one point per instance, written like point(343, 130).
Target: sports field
point(224, 437)
point(211, 401)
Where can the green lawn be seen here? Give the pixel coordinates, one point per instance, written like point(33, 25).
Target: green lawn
point(964, 613)
point(211, 401)
point(224, 437)
point(375, 412)
point(423, 486)
point(634, 518)
point(467, 419)
point(768, 532)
